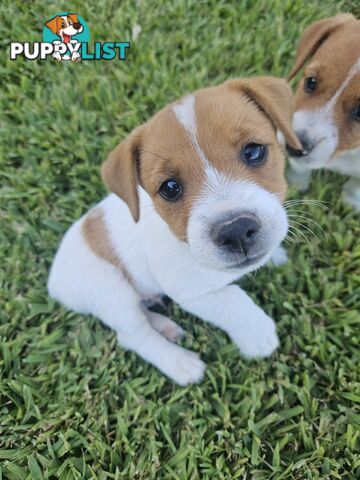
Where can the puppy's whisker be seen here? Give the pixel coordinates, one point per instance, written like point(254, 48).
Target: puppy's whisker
point(305, 212)
point(316, 203)
point(288, 241)
point(301, 225)
point(291, 237)
point(308, 216)
point(297, 230)
point(305, 200)
point(309, 220)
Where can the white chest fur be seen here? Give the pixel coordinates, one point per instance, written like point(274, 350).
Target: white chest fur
point(347, 163)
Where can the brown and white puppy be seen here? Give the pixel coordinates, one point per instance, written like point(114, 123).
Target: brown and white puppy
point(197, 204)
point(327, 103)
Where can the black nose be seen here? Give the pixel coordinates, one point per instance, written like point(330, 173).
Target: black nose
point(306, 143)
point(77, 26)
point(236, 235)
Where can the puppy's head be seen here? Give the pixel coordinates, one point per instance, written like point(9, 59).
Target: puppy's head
point(213, 168)
point(65, 26)
point(327, 101)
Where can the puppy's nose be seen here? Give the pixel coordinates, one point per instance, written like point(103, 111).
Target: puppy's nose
point(306, 143)
point(77, 26)
point(237, 235)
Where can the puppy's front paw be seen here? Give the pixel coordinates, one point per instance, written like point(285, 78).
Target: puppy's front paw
point(184, 367)
point(75, 57)
point(167, 327)
point(258, 339)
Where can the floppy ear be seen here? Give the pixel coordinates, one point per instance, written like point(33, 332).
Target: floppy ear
point(274, 97)
point(120, 172)
point(73, 17)
point(314, 36)
point(53, 24)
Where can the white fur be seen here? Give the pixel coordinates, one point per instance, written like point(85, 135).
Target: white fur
point(322, 130)
point(347, 163)
point(195, 274)
point(186, 116)
point(222, 194)
point(279, 257)
point(281, 138)
point(159, 263)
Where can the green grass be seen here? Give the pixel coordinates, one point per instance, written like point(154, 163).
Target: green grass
point(73, 404)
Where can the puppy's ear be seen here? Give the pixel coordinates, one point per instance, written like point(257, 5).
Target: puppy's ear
point(274, 97)
point(314, 36)
point(120, 171)
point(53, 24)
point(73, 17)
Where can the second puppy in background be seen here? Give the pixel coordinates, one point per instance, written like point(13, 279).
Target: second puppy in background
point(327, 103)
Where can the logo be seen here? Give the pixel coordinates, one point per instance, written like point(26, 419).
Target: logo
point(66, 36)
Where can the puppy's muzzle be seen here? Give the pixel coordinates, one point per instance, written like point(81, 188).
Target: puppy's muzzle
point(237, 234)
point(306, 143)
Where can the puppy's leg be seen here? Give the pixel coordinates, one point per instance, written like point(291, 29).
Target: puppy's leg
point(164, 325)
point(299, 177)
point(351, 193)
point(88, 284)
point(233, 311)
point(135, 333)
point(153, 301)
point(279, 257)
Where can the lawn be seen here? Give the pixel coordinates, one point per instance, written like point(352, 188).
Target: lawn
point(73, 404)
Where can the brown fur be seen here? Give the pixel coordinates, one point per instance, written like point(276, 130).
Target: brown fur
point(332, 46)
point(227, 116)
point(55, 23)
point(97, 239)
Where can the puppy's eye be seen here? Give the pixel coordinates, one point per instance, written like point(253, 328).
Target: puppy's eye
point(254, 154)
point(356, 113)
point(171, 190)
point(310, 84)
point(63, 24)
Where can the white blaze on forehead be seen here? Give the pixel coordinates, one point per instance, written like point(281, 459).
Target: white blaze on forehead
point(329, 106)
point(185, 114)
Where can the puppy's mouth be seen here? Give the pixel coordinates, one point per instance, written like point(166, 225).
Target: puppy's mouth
point(247, 261)
point(66, 37)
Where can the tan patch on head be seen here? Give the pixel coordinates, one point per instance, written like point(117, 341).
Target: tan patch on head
point(331, 62)
point(98, 240)
point(350, 129)
point(54, 24)
point(236, 121)
point(73, 17)
point(167, 152)
point(225, 119)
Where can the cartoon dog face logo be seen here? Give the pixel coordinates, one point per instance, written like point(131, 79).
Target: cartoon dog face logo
point(66, 27)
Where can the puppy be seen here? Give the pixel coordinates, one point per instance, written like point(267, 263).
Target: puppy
point(327, 103)
point(65, 26)
point(197, 204)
